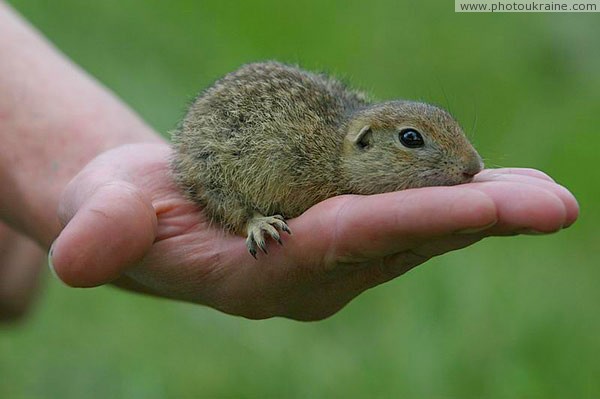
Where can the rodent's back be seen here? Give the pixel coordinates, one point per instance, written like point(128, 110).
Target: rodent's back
point(266, 137)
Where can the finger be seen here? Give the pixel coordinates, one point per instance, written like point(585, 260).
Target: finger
point(569, 201)
point(358, 228)
point(524, 207)
point(362, 228)
point(522, 201)
point(106, 233)
point(486, 173)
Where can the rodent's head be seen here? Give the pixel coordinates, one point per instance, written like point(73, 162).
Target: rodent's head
point(402, 144)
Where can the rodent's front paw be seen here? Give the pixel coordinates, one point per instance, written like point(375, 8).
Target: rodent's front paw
point(258, 225)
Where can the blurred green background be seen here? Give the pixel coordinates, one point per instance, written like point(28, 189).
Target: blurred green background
point(509, 317)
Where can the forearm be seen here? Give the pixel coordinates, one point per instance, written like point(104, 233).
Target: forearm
point(53, 120)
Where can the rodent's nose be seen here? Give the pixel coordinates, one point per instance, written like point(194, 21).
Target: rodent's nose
point(474, 166)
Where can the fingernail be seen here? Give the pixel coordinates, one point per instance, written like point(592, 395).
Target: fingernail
point(51, 264)
point(472, 230)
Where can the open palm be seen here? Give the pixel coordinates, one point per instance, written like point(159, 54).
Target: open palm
point(127, 223)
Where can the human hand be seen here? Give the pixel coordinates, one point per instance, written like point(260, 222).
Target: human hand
point(127, 223)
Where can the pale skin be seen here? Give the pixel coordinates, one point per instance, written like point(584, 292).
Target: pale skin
point(81, 170)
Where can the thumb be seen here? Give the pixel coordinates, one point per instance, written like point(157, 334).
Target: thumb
point(108, 229)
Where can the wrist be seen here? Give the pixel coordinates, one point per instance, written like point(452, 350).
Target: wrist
point(34, 184)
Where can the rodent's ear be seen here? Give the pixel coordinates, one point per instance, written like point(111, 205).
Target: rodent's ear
point(363, 139)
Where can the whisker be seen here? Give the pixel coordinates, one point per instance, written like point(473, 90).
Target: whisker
point(474, 126)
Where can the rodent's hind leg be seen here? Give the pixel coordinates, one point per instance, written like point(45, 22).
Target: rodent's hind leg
point(258, 226)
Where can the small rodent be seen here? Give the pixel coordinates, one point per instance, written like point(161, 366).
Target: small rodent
point(268, 141)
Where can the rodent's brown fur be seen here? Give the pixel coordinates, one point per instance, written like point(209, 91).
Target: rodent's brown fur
point(273, 139)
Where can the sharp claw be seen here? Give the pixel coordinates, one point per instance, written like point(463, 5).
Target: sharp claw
point(263, 247)
point(274, 234)
point(250, 244)
point(286, 229)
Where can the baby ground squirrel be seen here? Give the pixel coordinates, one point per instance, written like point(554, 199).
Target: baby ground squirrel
point(268, 141)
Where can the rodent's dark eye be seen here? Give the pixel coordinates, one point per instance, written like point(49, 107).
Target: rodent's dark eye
point(411, 138)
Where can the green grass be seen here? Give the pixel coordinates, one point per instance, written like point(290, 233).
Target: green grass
point(511, 317)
